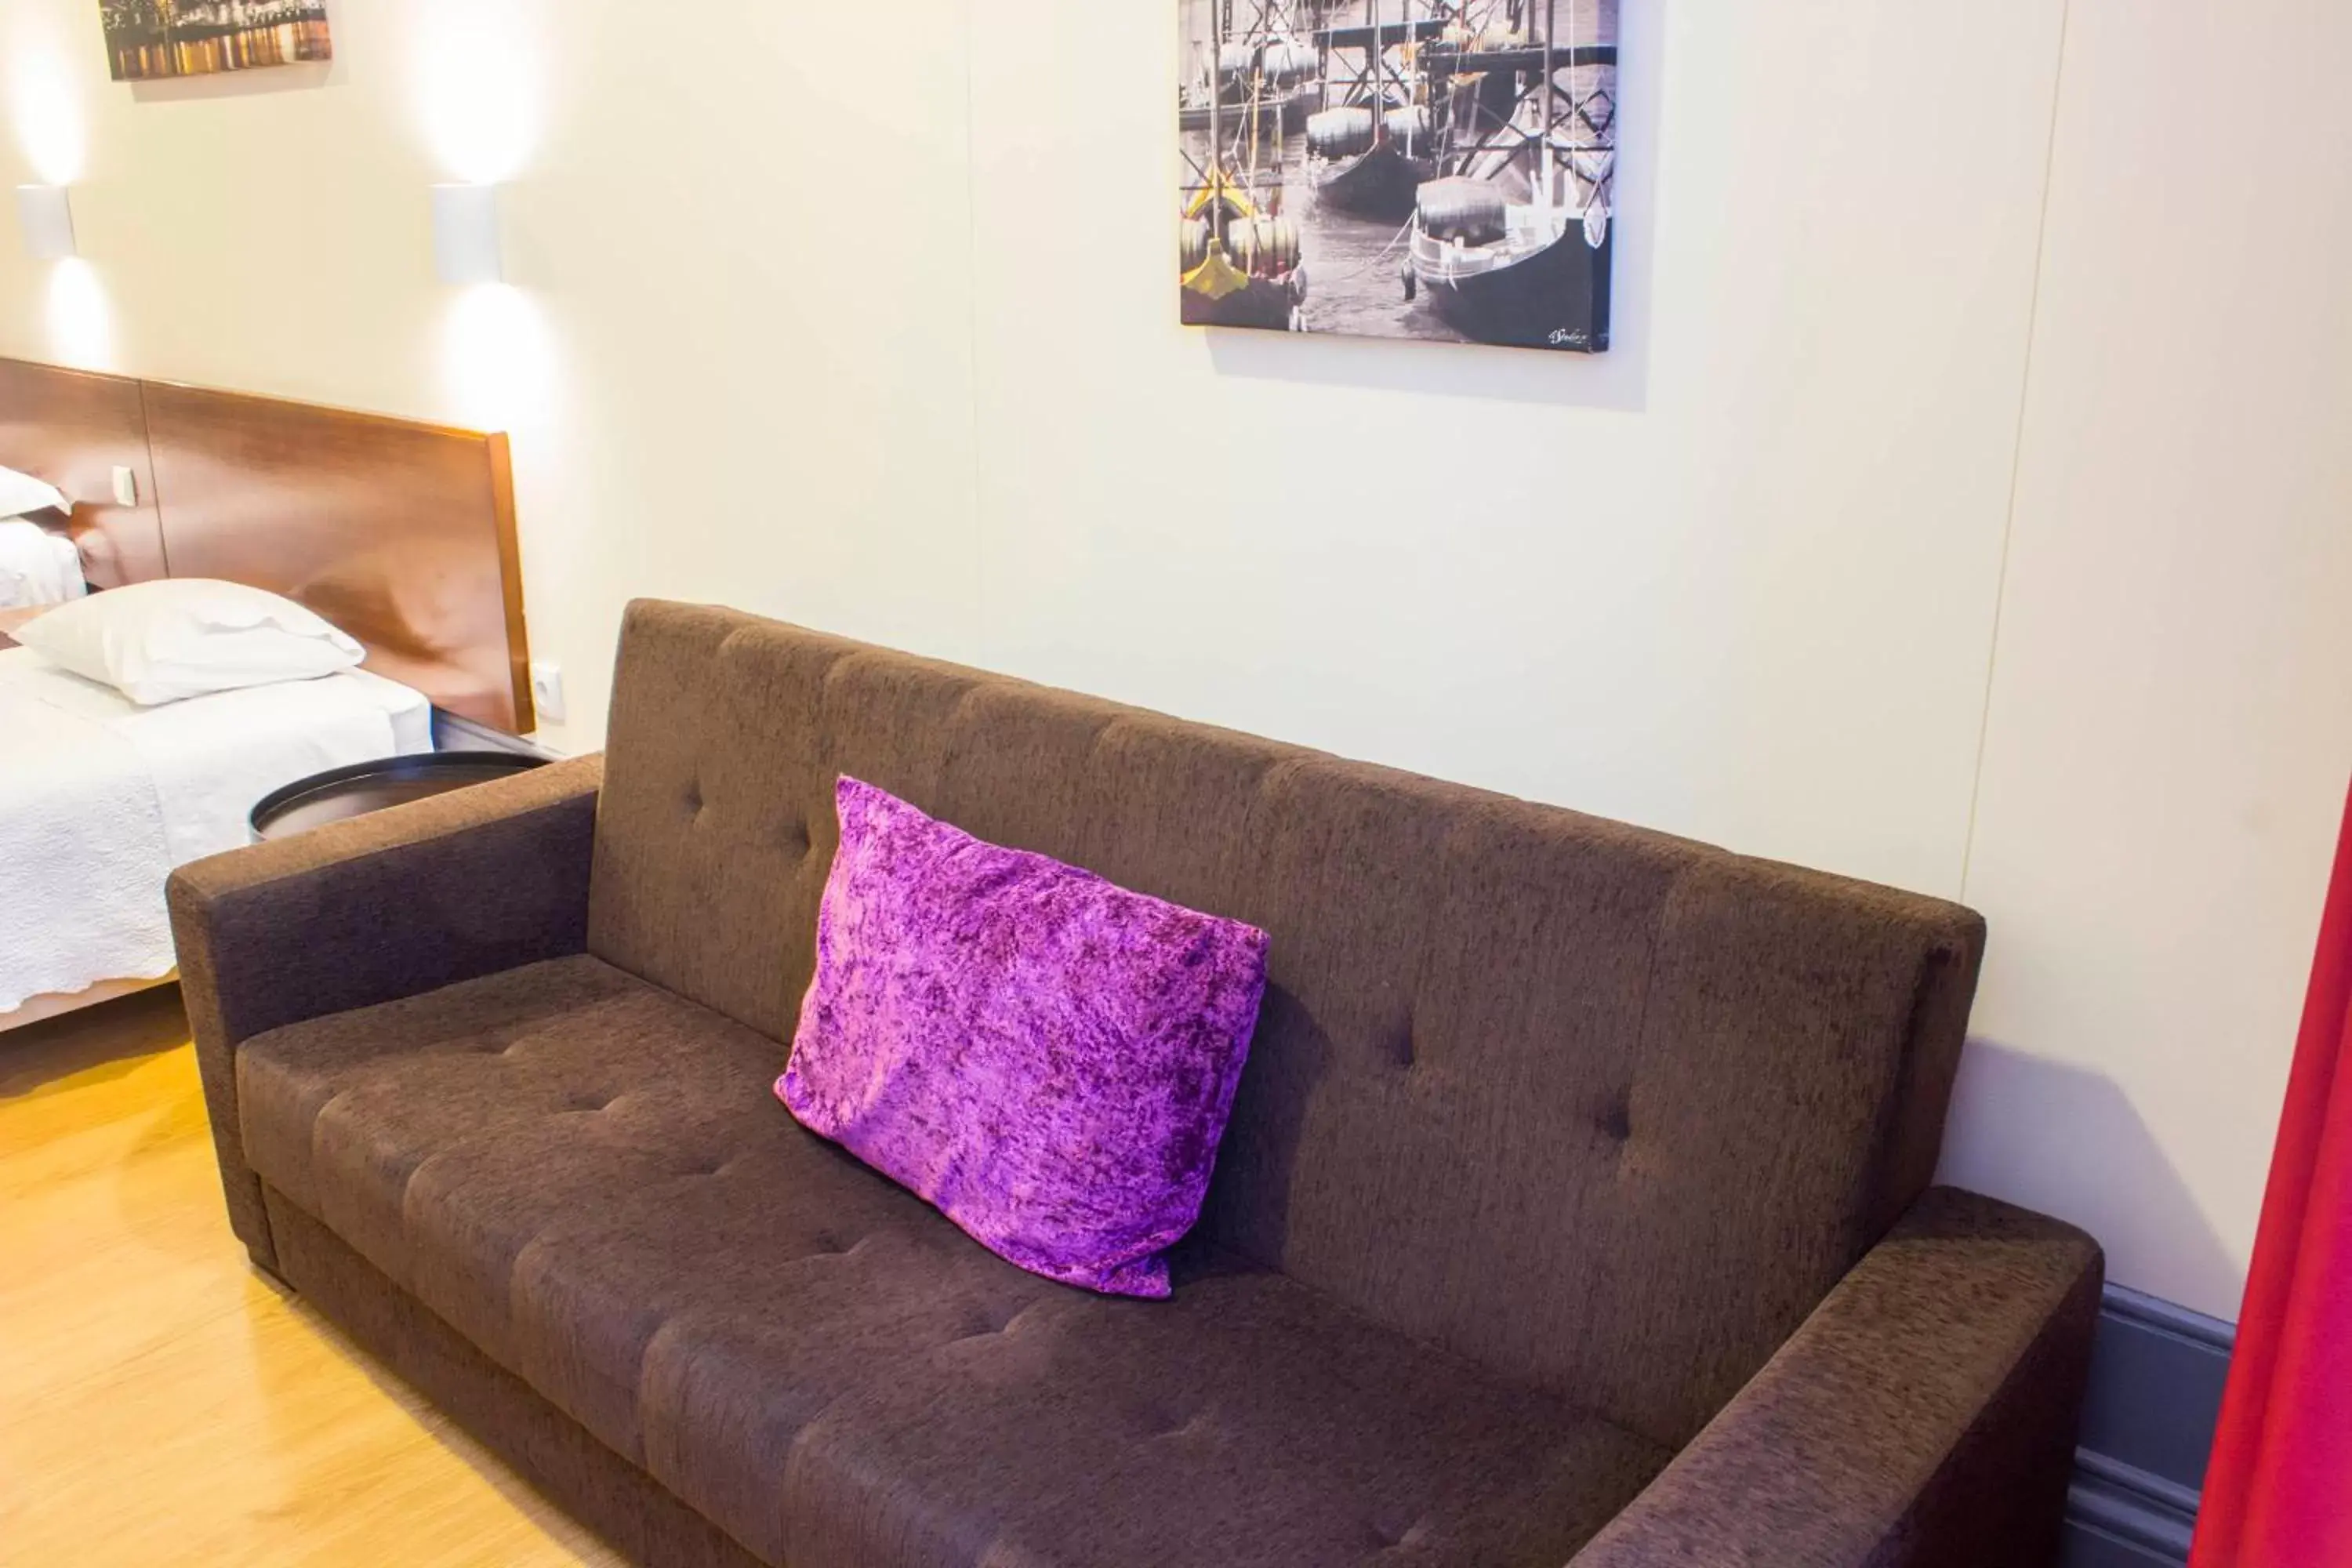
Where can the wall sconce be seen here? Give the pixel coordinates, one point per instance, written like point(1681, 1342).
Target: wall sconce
point(47, 218)
point(466, 234)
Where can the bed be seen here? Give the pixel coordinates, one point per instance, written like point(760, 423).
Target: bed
point(400, 533)
point(99, 798)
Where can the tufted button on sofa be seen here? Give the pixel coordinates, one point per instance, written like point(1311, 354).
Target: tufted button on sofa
point(1575, 1205)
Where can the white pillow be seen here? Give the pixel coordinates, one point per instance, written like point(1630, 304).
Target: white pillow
point(21, 493)
point(160, 642)
point(36, 567)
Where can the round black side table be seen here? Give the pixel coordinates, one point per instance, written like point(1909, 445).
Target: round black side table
point(363, 787)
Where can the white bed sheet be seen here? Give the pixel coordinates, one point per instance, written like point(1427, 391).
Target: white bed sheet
point(99, 798)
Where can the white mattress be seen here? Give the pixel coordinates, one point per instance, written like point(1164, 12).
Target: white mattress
point(99, 798)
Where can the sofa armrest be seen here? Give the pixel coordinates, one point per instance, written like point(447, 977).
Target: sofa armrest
point(365, 910)
point(1923, 1416)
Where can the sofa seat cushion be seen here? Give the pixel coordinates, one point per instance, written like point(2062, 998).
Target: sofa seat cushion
point(588, 1177)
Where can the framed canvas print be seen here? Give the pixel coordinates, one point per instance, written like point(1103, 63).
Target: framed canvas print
point(1432, 169)
point(147, 40)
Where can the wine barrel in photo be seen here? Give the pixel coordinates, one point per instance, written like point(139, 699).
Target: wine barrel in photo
point(1265, 247)
point(1471, 211)
point(1339, 132)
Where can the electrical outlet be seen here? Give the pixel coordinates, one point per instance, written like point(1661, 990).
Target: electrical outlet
point(547, 690)
point(126, 486)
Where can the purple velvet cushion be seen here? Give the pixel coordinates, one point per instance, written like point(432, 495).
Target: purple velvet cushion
point(1046, 1056)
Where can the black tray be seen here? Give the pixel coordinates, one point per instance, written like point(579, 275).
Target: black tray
point(363, 787)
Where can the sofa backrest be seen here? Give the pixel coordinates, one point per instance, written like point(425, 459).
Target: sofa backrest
point(1602, 1110)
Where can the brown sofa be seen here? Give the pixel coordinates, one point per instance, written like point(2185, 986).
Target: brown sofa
point(1575, 1204)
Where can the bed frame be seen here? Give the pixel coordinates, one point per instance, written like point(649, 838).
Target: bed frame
point(399, 533)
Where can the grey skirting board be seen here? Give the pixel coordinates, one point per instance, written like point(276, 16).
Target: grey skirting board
point(2156, 1375)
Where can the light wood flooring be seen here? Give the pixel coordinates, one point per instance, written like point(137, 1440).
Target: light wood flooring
point(160, 1402)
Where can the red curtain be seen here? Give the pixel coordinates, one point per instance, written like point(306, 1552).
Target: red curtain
point(2278, 1492)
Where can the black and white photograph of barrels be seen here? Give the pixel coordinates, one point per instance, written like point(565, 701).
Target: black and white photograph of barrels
point(1432, 169)
point(147, 40)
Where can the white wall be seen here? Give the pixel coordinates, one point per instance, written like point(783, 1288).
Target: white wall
point(892, 353)
point(2170, 728)
point(1737, 578)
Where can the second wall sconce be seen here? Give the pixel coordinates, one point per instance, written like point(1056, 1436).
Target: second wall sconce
point(46, 216)
point(466, 234)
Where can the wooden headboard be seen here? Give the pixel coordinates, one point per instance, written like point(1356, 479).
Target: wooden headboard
point(401, 533)
point(74, 429)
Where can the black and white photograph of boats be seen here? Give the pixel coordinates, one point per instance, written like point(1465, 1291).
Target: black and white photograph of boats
point(1440, 170)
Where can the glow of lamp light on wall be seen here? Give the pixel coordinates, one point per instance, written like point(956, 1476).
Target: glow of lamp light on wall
point(475, 80)
point(498, 360)
point(46, 116)
point(476, 89)
point(45, 113)
point(81, 325)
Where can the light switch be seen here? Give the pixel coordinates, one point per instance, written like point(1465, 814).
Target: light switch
point(126, 486)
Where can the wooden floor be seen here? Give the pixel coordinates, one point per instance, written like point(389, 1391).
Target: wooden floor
point(160, 1401)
